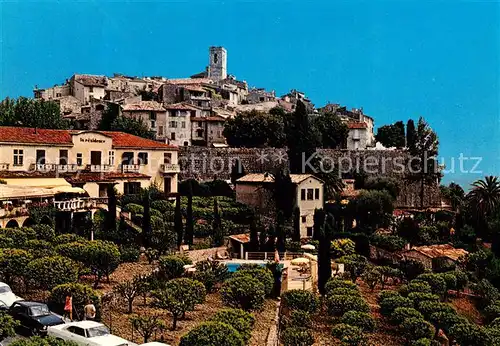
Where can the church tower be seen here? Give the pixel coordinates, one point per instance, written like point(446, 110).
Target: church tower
point(217, 68)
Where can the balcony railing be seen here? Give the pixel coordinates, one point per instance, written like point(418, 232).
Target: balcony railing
point(46, 167)
point(130, 168)
point(78, 204)
point(170, 168)
point(4, 166)
point(70, 168)
point(101, 168)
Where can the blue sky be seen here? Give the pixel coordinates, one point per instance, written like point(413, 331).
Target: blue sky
point(396, 59)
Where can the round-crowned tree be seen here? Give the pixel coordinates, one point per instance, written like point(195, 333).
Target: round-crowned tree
point(262, 274)
point(296, 336)
point(339, 283)
point(417, 328)
point(427, 308)
point(239, 319)
point(103, 257)
point(445, 320)
point(436, 281)
point(339, 305)
point(171, 266)
point(300, 300)
point(179, 296)
point(13, 264)
point(468, 334)
point(212, 333)
point(349, 335)
point(391, 303)
point(362, 320)
point(44, 232)
point(415, 286)
point(401, 314)
point(48, 272)
point(243, 292)
point(418, 297)
point(81, 295)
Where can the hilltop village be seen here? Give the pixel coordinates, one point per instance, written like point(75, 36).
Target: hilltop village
point(200, 211)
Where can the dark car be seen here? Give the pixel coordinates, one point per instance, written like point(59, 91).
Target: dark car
point(34, 317)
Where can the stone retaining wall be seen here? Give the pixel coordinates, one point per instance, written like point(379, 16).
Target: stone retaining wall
point(208, 163)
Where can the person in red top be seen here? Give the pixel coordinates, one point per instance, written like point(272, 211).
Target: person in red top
point(68, 307)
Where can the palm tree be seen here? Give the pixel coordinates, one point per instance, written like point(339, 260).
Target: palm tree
point(485, 196)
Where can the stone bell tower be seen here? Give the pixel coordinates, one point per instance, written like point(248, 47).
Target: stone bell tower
point(217, 68)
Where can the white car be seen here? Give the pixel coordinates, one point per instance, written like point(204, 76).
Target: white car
point(7, 297)
point(88, 333)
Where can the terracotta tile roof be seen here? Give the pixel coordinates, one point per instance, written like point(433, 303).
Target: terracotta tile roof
point(91, 80)
point(216, 118)
point(443, 250)
point(356, 125)
point(144, 106)
point(63, 137)
point(187, 81)
point(25, 174)
point(180, 106)
point(242, 238)
point(87, 177)
point(30, 135)
point(198, 119)
point(195, 87)
point(125, 140)
point(268, 178)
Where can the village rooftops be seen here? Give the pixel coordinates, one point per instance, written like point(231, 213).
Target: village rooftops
point(144, 106)
point(442, 250)
point(91, 80)
point(180, 106)
point(356, 125)
point(28, 135)
point(268, 178)
point(188, 81)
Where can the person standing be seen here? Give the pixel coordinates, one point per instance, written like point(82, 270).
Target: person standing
point(89, 311)
point(68, 307)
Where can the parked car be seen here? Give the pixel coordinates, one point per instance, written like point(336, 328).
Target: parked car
point(34, 317)
point(88, 333)
point(7, 297)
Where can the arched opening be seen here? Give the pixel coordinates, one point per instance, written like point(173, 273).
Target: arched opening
point(12, 224)
point(46, 220)
point(28, 222)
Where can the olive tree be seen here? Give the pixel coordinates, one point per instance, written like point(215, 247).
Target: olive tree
point(146, 326)
point(179, 296)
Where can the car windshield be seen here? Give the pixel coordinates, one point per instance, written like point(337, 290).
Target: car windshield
point(39, 310)
point(5, 289)
point(97, 331)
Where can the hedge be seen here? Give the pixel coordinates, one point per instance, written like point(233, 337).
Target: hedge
point(295, 336)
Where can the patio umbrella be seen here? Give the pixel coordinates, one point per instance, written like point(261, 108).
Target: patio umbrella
point(308, 247)
point(299, 261)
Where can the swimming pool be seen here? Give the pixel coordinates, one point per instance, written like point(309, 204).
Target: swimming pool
point(232, 266)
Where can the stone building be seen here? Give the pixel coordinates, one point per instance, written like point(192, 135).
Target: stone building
point(435, 257)
point(87, 87)
point(151, 113)
point(178, 128)
point(294, 96)
point(217, 68)
point(255, 191)
point(260, 95)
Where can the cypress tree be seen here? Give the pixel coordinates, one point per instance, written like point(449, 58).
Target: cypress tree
point(218, 232)
point(146, 219)
point(410, 134)
point(296, 224)
point(188, 236)
point(254, 236)
point(178, 220)
point(324, 260)
point(111, 214)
